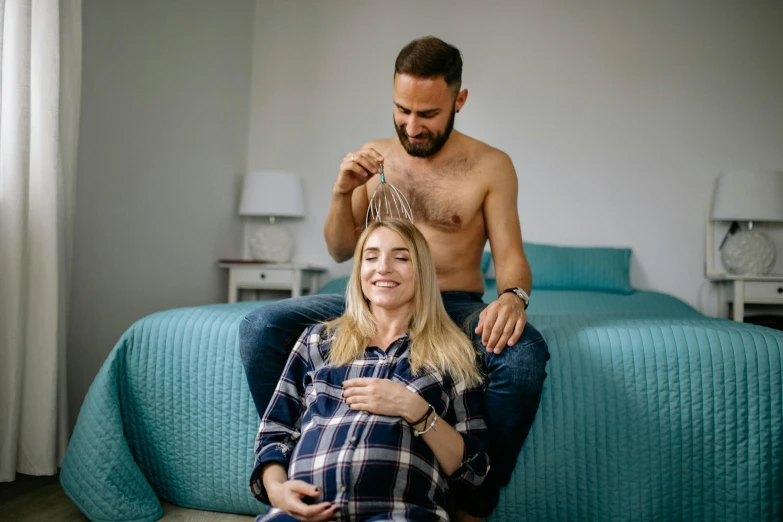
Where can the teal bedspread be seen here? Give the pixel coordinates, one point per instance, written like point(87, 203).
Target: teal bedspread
point(650, 412)
point(567, 303)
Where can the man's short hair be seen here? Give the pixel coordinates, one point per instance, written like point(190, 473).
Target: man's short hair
point(431, 57)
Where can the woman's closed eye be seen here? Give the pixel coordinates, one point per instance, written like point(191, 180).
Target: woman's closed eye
point(373, 258)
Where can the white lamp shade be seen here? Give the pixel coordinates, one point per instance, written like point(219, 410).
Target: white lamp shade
point(748, 196)
point(272, 193)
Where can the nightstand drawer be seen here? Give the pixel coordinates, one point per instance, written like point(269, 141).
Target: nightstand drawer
point(770, 292)
point(260, 278)
point(293, 277)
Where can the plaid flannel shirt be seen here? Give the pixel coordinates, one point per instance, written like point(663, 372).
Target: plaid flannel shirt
point(366, 464)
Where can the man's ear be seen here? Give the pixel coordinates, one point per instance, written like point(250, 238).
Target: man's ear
point(462, 97)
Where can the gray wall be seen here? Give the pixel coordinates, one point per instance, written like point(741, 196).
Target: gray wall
point(618, 115)
point(163, 139)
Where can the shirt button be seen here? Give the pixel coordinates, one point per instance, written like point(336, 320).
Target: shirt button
point(342, 488)
point(353, 439)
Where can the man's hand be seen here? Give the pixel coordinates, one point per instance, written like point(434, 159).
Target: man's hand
point(289, 496)
point(356, 169)
point(383, 397)
point(501, 323)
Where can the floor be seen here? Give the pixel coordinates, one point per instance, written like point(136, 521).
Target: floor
point(39, 499)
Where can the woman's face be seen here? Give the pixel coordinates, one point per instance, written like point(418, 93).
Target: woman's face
point(387, 271)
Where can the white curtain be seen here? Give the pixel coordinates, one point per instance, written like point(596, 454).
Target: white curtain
point(40, 80)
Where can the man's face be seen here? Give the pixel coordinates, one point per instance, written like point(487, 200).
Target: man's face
point(424, 110)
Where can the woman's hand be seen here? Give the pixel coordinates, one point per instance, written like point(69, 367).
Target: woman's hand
point(383, 397)
point(289, 496)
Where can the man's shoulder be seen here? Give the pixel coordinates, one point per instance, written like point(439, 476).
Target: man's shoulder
point(484, 153)
point(382, 145)
point(492, 164)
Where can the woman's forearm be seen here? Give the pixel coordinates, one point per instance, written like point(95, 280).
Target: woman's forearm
point(273, 475)
point(444, 441)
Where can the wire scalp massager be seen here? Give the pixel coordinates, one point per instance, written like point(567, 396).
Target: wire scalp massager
point(387, 202)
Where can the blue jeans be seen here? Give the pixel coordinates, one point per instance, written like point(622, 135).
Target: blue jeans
point(516, 376)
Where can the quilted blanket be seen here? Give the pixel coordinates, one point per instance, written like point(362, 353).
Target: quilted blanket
point(656, 415)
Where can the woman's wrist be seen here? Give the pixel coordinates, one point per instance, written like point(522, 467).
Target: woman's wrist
point(272, 477)
point(416, 409)
point(424, 422)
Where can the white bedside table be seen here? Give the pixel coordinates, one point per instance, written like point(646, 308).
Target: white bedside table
point(767, 289)
point(295, 278)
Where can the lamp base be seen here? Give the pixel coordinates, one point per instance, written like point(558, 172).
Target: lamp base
point(748, 253)
point(272, 243)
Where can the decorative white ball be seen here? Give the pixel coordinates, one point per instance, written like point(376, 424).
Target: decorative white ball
point(748, 252)
point(272, 243)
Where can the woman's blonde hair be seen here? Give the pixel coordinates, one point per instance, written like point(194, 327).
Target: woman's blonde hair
point(436, 342)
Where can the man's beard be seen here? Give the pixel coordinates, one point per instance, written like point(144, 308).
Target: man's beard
point(434, 142)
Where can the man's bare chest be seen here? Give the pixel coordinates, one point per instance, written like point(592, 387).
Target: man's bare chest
point(446, 203)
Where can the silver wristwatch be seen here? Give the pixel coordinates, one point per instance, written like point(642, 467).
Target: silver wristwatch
point(519, 293)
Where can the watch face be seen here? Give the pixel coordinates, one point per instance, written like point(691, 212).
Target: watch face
point(521, 294)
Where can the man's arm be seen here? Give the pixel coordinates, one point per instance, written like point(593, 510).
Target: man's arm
point(502, 322)
point(343, 226)
point(349, 202)
point(501, 218)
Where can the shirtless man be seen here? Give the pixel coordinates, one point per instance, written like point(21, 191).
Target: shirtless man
point(462, 192)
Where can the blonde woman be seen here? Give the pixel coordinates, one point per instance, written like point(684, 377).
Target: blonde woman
point(378, 413)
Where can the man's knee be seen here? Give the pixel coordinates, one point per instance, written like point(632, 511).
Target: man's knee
point(273, 328)
point(530, 335)
point(523, 365)
point(251, 331)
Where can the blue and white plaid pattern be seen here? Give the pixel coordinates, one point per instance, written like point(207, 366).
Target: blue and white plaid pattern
point(369, 465)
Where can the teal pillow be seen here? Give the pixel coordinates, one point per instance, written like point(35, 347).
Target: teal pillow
point(602, 269)
point(334, 286)
point(486, 259)
point(490, 290)
point(338, 286)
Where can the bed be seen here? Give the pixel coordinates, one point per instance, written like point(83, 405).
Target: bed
point(651, 411)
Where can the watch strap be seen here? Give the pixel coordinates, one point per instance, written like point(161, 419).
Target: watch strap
point(519, 293)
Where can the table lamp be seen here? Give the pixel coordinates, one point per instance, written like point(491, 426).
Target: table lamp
point(748, 197)
point(271, 194)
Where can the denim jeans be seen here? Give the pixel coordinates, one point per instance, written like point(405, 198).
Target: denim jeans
point(515, 377)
